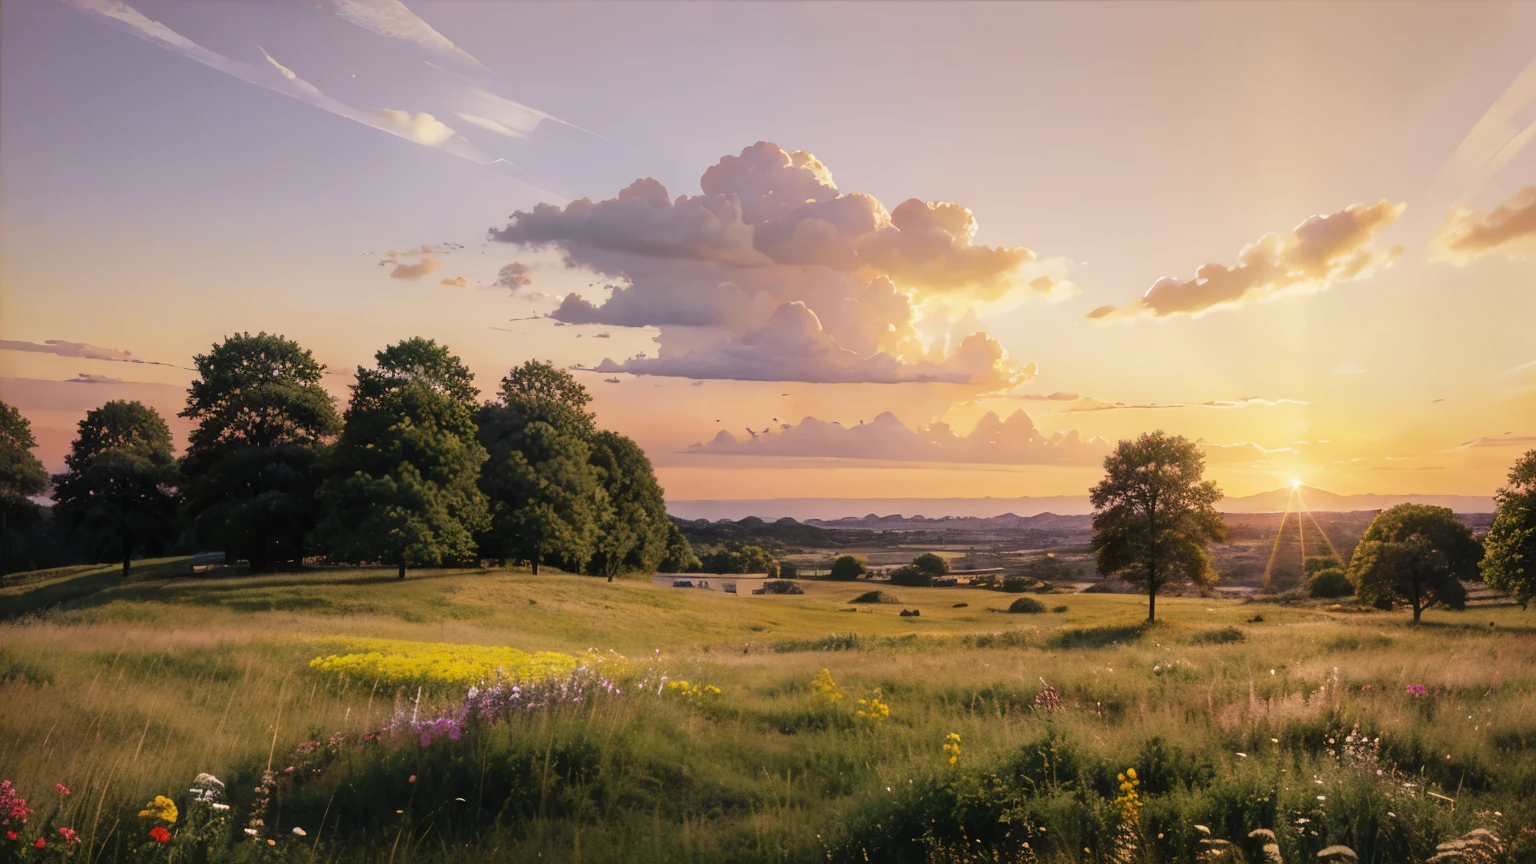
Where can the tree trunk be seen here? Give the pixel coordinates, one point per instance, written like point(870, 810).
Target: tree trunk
point(5, 541)
point(402, 566)
point(259, 553)
point(1417, 609)
point(535, 564)
point(1151, 601)
point(127, 554)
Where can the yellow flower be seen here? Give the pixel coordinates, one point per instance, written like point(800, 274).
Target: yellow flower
point(825, 689)
point(952, 747)
point(161, 808)
point(872, 713)
point(396, 661)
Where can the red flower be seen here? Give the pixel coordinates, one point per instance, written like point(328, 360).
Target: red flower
point(159, 834)
point(40, 843)
point(11, 835)
point(69, 835)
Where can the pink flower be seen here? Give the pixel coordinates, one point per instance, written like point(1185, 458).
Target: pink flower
point(69, 835)
point(63, 790)
point(40, 843)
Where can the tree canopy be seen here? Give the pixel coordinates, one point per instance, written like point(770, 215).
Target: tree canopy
point(846, 568)
point(1415, 553)
point(118, 489)
point(21, 475)
point(633, 531)
point(262, 418)
point(402, 482)
point(1154, 514)
point(1509, 562)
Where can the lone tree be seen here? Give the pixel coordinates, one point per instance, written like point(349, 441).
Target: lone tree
point(1509, 560)
point(846, 569)
point(1153, 515)
point(119, 488)
point(21, 475)
point(263, 419)
point(402, 480)
point(1415, 553)
point(921, 572)
point(633, 533)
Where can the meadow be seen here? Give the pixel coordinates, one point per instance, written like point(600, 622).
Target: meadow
point(634, 722)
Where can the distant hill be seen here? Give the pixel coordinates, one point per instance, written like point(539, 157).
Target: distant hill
point(907, 509)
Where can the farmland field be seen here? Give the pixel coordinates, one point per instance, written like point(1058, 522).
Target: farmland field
point(1327, 727)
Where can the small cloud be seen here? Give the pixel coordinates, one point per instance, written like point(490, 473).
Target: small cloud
point(422, 127)
point(601, 336)
point(513, 277)
point(457, 282)
point(1502, 441)
point(88, 378)
point(1348, 369)
point(1508, 231)
point(414, 272)
point(1320, 251)
point(391, 19)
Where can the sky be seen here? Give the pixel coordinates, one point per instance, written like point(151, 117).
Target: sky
point(805, 249)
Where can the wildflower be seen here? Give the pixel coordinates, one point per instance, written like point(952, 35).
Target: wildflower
point(1048, 699)
point(11, 835)
point(825, 689)
point(159, 834)
point(40, 843)
point(13, 808)
point(952, 747)
point(218, 806)
point(271, 842)
point(161, 808)
point(69, 836)
point(1417, 690)
point(250, 832)
point(297, 831)
point(872, 712)
point(412, 780)
point(63, 790)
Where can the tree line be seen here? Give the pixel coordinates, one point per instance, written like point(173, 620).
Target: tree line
point(417, 471)
point(1154, 514)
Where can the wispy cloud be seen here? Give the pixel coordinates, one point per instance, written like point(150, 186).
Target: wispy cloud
point(1509, 230)
point(88, 378)
point(392, 19)
point(1500, 441)
point(1090, 404)
point(1496, 139)
point(82, 350)
point(420, 128)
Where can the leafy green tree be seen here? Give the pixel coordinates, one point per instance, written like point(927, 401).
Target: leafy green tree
point(21, 475)
point(846, 569)
point(119, 486)
point(1418, 554)
point(1509, 562)
point(540, 391)
point(679, 557)
point(1154, 514)
point(402, 481)
point(632, 534)
point(546, 501)
point(934, 565)
point(1330, 582)
point(733, 557)
point(262, 420)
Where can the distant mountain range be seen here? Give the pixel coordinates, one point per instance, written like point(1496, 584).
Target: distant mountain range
point(828, 509)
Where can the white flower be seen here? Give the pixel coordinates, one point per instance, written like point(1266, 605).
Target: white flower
point(218, 806)
point(1243, 755)
point(297, 831)
point(251, 831)
point(1322, 797)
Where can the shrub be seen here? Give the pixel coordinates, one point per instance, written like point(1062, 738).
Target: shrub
point(1058, 609)
point(1332, 582)
point(911, 576)
point(874, 597)
point(934, 565)
point(781, 586)
point(1224, 636)
point(1097, 588)
point(1027, 605)
point(1019, 584)
point(846, 569)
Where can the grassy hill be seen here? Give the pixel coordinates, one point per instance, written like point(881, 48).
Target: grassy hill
point(1235, 716)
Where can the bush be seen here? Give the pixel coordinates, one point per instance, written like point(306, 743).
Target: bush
point(846, 569)
point(934, 565)
point(1058, 609)
point(780, 586)
point(911, 576)
point(1019, 584)
point(874, 597)
point(1097, 588)
point(1332, 582)
point(1027, 605)
point(1224, 636)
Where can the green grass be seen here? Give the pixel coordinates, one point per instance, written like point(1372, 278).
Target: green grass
point(128, 690)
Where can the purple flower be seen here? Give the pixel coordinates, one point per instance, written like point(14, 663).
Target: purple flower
point(1417, 690)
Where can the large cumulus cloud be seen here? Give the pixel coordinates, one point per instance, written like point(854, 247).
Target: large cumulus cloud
point(1014, 441)
point(1509, 231)
point(1318, 252)
point(788, 275)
